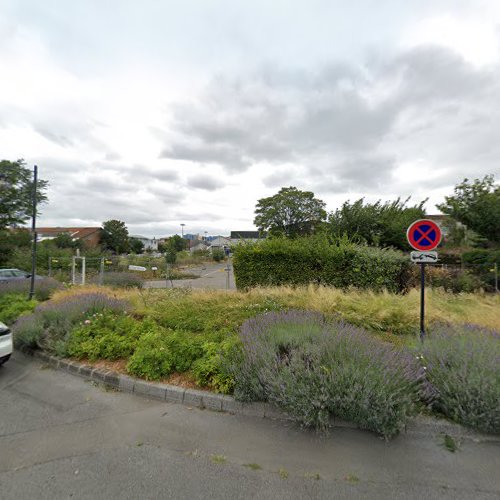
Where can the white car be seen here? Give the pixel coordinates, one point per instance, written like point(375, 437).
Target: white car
point(6, 346)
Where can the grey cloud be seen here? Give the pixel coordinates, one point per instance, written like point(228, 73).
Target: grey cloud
point(59, 139)
point(356, 174)
point(279, 177)
point(188, 216)
point(165, 193)
point(354, 125)
point(203, 181)
point(112, 156)
point(221, 154)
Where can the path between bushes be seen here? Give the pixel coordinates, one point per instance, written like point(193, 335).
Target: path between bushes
point(61, 435)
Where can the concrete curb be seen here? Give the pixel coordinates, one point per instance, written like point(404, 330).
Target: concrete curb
point(420, 425)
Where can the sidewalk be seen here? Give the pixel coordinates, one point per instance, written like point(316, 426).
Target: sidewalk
point(61, 436)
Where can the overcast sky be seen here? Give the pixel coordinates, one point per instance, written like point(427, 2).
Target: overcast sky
point(160, 112)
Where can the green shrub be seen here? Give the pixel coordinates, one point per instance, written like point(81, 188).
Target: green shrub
point(315, 369)
point(13, 305)
point(462, 370)
point(218, 254)
point(481, 262)
point(482, 256)
point(212, 369)
point(161, 352)
point(105, 335)
point(452, 280)
point(27, 334)
point(277, 261)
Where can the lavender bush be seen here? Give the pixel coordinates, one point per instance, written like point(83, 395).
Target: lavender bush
point(51, 323)
point(123, 280)
point(315, 369)
point(463, 372)
point(43, 287)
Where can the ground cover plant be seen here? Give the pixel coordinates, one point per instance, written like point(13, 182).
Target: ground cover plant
point(316, 369)
point(14, 300)
point(13, 305)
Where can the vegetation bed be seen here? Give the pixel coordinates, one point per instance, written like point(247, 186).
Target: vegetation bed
point(354, 356)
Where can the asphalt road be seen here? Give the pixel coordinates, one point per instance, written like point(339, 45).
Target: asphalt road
point(62, 437)
point(211, 276)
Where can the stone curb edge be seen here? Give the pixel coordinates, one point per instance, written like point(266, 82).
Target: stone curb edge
point(225, 403)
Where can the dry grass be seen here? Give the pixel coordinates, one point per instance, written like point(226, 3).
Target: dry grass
point(387, 314)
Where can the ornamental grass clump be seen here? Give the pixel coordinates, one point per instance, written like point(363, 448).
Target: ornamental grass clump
point(316, 369)
point(463, 372)
point(51, 323)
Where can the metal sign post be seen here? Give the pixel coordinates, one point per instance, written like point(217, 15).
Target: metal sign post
point(422, 301)
point(33, 232)
point(228, 270)
point(424, 236)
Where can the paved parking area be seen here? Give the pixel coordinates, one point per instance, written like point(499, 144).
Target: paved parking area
point(211, 276)
point(62, 437)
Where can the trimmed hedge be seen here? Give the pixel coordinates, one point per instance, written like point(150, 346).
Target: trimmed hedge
point(279, 261)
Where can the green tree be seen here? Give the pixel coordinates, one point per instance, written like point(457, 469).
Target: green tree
point(64, 240)
point(175, 243)
point(379, 224)
point(16, 187)
point(290, 212)
point(178, 243)
point(115, 236)
point(136, 245)
point(477, 205)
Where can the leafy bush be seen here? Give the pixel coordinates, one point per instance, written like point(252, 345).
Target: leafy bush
point(105, 335)
point(218, 254)
point(482, 256)
point(462, 369)
point(482, 263)
point(51, 323)
point(213, 368)
point(342, 264)
point(123, 280)
point(13, 305)
point(44, 288)
point(315, 369)
point(452, 280)
point(161, 351)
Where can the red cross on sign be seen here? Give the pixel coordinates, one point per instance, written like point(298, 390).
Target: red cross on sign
point(424, 234)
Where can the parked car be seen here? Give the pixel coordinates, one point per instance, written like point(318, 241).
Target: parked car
point(6, 346)
point(15, 275)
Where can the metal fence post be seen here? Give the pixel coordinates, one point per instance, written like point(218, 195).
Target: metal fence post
point(101, 272)
point(83, 270)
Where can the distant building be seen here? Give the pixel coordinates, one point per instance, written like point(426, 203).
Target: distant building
point(199, 246)
point(149, 243)
point(220, 242)
point(445, 222)
point(247, 235)
point(192, 237)
point(90, 236)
